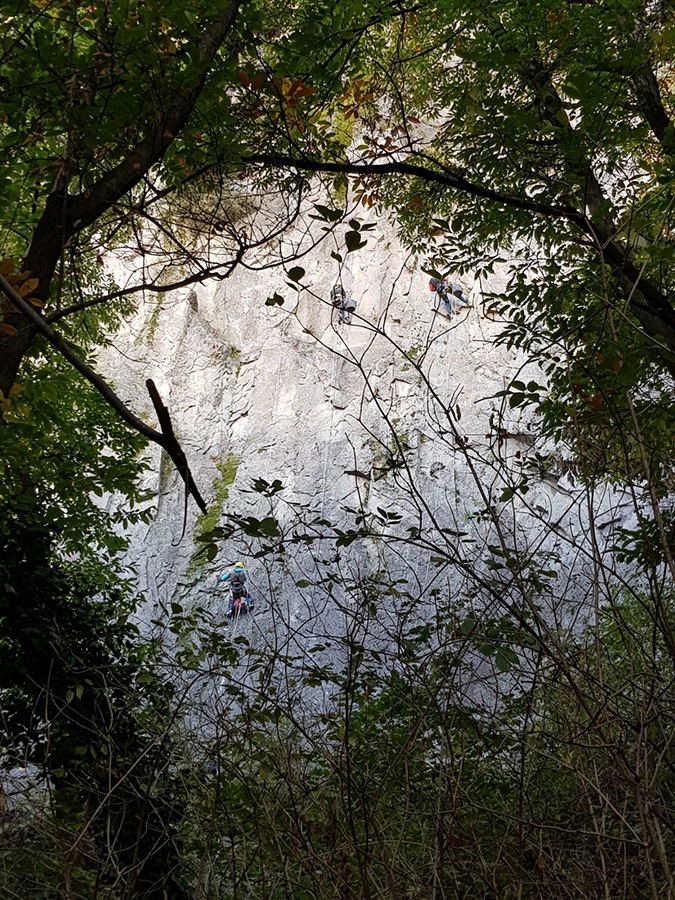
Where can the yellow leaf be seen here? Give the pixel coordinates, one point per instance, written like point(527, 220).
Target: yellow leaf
point(15, 389)
point(29, 285)
point(6, 266)
point(35, 302)
point(7, 329)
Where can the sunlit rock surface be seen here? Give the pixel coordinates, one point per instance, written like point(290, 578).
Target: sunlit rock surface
point(396, 412)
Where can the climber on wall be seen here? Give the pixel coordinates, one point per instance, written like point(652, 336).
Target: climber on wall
point(452, 295)
point(240, 598)
point(344, 304)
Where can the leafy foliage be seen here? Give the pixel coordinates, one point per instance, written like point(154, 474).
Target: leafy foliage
point(63, 449)
point(494, 748)
point(588, 131)
point(81, 696)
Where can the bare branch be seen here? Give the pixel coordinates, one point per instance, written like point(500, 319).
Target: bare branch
point(443, 176)
point(135, 289)
point(166, 438)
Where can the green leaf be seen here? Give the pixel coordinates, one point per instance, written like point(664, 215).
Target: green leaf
point(211, 552)
point(269, 527)
point(467, 625)
point(347, 538)
point(353, 241)
point(327, 214)
point(505, 659)
point(333, 215)
point(433, 272)
point(502, 662)
point(296, 273)
point(275, 300)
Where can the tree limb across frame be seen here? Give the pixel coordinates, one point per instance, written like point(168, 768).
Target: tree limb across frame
point(648, 304)
point(165, 438)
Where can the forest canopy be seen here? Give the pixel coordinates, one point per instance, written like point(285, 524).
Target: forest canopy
point(534, 138)
point(493, 130)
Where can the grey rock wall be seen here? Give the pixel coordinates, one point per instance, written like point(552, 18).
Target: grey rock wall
point(395, 411)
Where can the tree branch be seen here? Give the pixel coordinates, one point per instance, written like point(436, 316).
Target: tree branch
point(198, 278)
point(444, 177)
point(64, 214)
point(166, 438)
point(651, 106)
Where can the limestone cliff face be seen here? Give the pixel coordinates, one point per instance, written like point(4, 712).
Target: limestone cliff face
point(395, 412)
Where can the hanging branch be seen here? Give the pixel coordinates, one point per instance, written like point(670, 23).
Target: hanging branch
point(166, 438)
